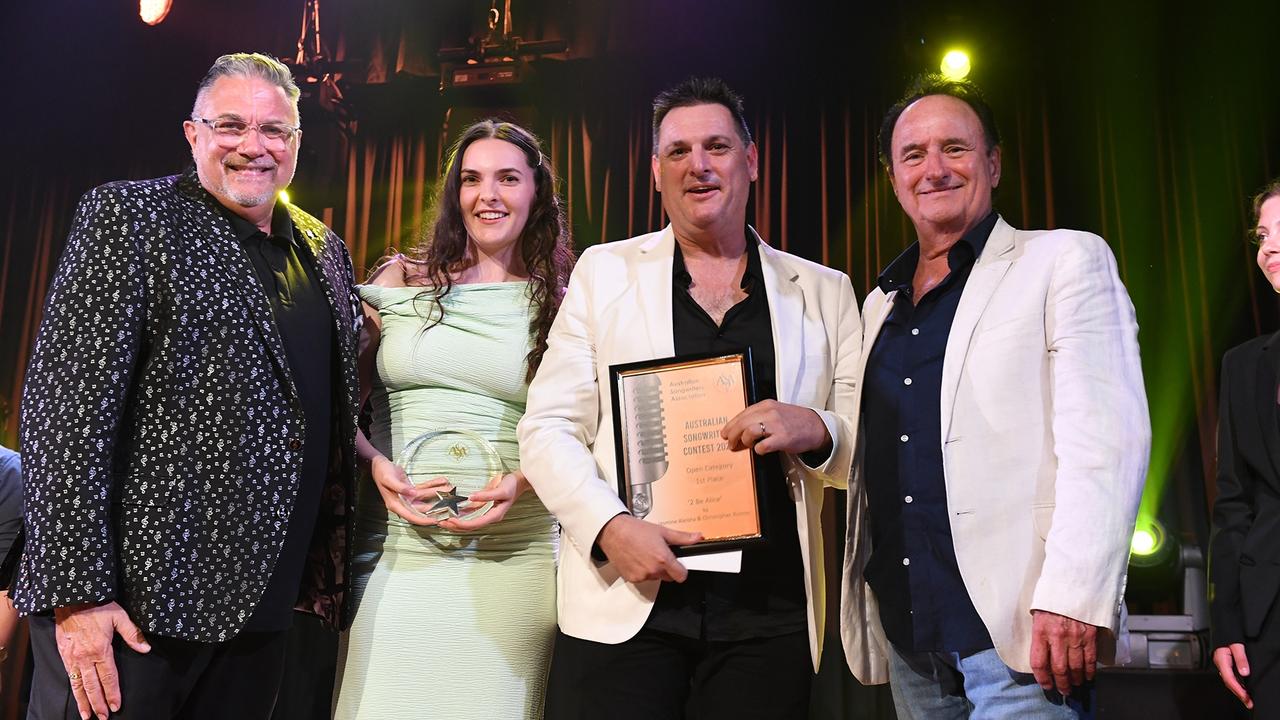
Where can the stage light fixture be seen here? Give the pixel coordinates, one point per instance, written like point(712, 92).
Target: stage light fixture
point(1144, 542)
point(1168, 612)
point(1178, 637)
point(1148, 538)
point(284, 196)
point(153, 12)
point(956, 65)
point(497, 57)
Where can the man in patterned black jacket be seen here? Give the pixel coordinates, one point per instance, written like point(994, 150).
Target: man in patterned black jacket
point(188, 426)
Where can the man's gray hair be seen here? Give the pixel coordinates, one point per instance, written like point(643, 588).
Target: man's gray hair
point(255, 65)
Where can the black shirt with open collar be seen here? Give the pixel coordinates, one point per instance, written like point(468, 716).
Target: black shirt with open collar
point(767, 597)
point(286, 271)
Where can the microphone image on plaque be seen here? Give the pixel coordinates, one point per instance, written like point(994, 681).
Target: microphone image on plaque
point(649, 463)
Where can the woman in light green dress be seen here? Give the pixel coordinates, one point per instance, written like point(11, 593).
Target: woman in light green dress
point(454, 616)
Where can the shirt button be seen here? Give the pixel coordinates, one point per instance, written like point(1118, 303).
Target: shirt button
point(906, 561)
point(915, 331)
point(906, 381)
point(908, 499)
point(904, 438)
point(295, 444)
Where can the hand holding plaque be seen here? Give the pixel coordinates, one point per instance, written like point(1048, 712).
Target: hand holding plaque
point(465, 459)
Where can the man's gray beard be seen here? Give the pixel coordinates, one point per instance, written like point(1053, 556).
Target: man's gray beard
point(244, 199)
point(247, 200)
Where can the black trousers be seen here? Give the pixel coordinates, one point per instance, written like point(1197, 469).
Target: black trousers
point(311, 664)
point(1263, 682)
point(178, 679)
point(660, 676)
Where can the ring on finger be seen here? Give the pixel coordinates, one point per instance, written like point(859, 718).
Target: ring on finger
point(73, 676)
point(763, 433)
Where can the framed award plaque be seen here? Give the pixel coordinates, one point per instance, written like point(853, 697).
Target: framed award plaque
point(674, 469)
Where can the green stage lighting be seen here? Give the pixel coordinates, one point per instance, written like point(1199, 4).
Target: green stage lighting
point(1144, 542)
point(1148, 542)
point(956, 65)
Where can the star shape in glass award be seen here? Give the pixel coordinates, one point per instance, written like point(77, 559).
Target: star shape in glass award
point(448, 502)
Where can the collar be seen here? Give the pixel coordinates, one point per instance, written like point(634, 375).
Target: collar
point(899, 273)
point(281, 224)
point(750, 278)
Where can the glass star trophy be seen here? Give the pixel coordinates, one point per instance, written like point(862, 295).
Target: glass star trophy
point(465, 458)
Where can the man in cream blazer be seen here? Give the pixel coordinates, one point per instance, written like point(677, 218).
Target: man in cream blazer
point(1003, 441)
point(640, 635)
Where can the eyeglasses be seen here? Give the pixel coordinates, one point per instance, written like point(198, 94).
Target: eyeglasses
point(230, 131)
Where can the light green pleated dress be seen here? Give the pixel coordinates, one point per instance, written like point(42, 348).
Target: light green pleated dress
point(449, 625)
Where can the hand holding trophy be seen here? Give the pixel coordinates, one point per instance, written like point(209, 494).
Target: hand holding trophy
point(445, 468)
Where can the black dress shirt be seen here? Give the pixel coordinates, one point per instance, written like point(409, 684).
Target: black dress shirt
point(924, 605)
point(287, 273)
point(767, 597)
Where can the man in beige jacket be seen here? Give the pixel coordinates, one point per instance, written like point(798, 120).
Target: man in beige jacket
point(1003, 441)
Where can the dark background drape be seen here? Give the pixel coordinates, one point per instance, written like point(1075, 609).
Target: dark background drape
point(1148, 123)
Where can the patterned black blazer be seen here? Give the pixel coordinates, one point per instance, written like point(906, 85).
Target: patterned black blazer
point(160, 427)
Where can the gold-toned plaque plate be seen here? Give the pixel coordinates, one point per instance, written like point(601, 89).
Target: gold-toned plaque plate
point(674, 469)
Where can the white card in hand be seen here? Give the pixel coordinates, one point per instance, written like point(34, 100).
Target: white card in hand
point(726, 562)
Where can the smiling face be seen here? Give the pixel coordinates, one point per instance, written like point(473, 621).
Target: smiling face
point(704, 170)
point(1267, 233)
point(496, 192)
point(244, 173)
point(942, 171)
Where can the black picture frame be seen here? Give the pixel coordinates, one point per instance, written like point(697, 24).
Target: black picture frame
point(623, 450)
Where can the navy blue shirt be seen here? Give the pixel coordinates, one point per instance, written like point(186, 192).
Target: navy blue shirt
point(924, 606)
point(10, 503)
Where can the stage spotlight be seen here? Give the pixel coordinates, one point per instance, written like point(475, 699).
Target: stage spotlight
point(1153, 559)
point(1168, 613)
point(494, 58)
point(1178, 636)
point(153, 12)
point(1148, 540)
point(1144, 542)
point(955, 65)
point(284, 196)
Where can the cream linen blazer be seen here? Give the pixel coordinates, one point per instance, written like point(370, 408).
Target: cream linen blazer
point(1045, 437)
point(618, 310)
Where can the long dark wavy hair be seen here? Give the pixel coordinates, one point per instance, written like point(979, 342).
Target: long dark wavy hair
point(545, 245)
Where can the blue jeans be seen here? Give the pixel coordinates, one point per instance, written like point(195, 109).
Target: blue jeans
point(943, 685)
